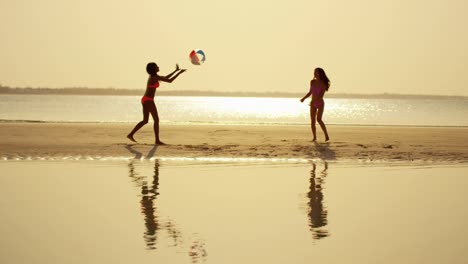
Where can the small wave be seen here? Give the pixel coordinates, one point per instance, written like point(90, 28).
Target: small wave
point(168, 158)
point(232, 161)
point(21, 121)
point(61, 122)
point(208, 123)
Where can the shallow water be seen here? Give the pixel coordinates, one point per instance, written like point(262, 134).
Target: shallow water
point(174, 211)
point(235, 110)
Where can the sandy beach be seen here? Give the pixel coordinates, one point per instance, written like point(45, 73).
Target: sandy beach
point(33, 140)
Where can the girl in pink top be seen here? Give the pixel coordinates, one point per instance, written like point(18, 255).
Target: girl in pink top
point(318, 86)
point(147, 101)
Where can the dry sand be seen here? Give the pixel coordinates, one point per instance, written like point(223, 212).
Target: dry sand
point(369, 143)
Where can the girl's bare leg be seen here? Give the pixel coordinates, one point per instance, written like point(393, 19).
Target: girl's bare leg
point(140, 124)
point(154, 113)
point(322, 124)
point(313, 113)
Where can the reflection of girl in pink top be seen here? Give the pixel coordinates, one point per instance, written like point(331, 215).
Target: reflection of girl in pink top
point(318, 86)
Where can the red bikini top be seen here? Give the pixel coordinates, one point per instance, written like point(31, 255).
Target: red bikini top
point(154, 86)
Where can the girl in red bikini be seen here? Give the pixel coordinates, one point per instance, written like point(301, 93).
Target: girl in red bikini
point(148, 99)
point(318, 86)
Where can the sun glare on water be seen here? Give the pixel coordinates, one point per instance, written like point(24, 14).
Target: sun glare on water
point(270, 109)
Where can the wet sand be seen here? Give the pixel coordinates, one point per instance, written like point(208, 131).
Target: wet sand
point(368, 143)
point(152, 211)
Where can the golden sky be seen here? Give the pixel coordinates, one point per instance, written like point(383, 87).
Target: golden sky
point(365, 46)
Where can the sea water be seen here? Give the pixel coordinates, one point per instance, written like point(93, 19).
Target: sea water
point(234, 110)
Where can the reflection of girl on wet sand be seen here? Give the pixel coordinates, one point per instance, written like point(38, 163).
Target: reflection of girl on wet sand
point(317, 213)
point(149, 194)
point(153, 224)
point(148, 209)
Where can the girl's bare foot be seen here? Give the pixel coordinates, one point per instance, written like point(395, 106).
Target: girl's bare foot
point(326, 139)
point(159, 143)
point(314, 139)
point(131, 138)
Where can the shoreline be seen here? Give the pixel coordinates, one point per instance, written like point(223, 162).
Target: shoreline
point(7, 121)
point(34, 140)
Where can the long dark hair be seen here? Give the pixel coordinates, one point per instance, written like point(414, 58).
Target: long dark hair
point(323, 77)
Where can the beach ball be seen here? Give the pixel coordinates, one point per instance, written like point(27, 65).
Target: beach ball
point(197, 57)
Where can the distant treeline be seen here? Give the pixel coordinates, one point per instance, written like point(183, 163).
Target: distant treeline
point(115, 91)
point(68, 91)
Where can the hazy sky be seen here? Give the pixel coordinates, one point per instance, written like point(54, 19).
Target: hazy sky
point(365, 46)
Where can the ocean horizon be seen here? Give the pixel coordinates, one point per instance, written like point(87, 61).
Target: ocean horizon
point(109, 91)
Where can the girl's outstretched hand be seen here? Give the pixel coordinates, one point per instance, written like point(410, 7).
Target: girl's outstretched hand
point(179, 69)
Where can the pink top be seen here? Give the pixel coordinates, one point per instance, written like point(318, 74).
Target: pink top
point(315, 89)
point(316, 92)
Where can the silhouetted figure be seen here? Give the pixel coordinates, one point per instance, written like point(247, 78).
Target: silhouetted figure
point(148, 196)
point(317, 213)
point(148, 99)
point(149, 193)
point(148, 209)
point(318, 86)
